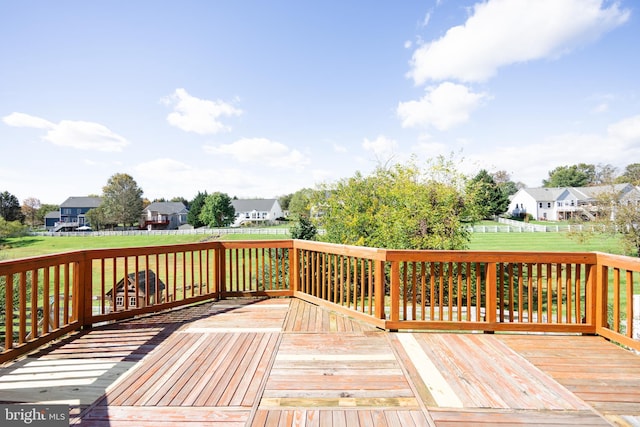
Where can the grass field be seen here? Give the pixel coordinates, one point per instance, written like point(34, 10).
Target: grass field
point(37, 245)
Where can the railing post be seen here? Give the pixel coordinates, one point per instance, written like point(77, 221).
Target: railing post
point(492, 293)
point(221, 269)
point(591, 309)
point(395, 291)
point(294, 268)
point(83, 292)
point(379, 290)
point(602, 290)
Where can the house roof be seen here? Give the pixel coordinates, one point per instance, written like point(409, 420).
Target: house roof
point(248, 205)
point(82, 202)
point(53, 214)
point(543, 193)
point(167, 208)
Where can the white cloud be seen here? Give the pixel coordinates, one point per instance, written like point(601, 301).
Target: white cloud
point(503, 32)
point(442, 107)
point(68, 133)
point(531, 163)
point(197, 115)
point(27, 121)
point(262, 151)
point(603, 107)
point(339, 148)
point(382, 147)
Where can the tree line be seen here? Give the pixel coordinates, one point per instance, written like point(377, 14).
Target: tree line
point(401, 206)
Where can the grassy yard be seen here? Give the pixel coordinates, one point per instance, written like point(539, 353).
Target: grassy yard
point(37, 245)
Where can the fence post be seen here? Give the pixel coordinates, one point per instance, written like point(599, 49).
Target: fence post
point(379, 290)
point(83, 292)
point(492, 293)
point(220, 271)
point(294, 268)
point(602, 289)
point(395, 291)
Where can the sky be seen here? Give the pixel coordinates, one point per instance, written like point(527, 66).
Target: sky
point(258, 99)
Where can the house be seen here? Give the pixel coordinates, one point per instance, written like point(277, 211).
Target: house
point(72, 214)
point(148, 286)
point(164, 216)
point(557, 204)
point(256, 211)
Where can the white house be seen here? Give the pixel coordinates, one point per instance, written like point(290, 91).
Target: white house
point(557, 204)
point(164, 216)
point(256, 211)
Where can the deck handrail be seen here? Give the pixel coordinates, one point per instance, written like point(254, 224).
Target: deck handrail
point(490, 291)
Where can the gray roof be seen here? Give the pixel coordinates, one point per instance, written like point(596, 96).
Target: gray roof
point(53, 214)
point(167, 208)
point(543, 193)
point(248, 205)
point(82, 202)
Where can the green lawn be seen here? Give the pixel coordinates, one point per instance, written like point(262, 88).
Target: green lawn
point(37, 245)
point(562, 242)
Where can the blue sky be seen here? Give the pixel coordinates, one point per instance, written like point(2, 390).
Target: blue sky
point(263, 98)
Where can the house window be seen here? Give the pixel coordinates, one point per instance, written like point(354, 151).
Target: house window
point(541, 204)
point(549, 204)
point(119, 301)
point(132, 301)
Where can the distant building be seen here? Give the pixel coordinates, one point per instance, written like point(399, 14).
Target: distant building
point(149, 287)
point(557, 204)
point(164, 216)
point(72, 214)
point(256, 211)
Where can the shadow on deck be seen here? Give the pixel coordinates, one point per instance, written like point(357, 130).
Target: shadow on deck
point(287, 362)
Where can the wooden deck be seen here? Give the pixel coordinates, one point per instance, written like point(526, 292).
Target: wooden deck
point(284, 362)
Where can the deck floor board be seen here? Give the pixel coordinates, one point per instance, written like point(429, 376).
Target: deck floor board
point(286, 362)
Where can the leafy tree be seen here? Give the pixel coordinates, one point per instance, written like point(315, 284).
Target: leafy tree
point(30, 207)
point(11, 229)
point(604, 174)
point(304, 229)
point(97, 217)
point(217, 210)
point(195, 207)
point(579, 175)
point(506, 185)
point(284, 201)
point(490, 198)
point(181, 200)
point(300, 204)
point(398, 208)
point(630, 175)
point(122, 199)
point(44, 210)
point(10, 207)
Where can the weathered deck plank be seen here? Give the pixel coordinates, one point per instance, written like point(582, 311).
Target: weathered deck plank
point(287, 362)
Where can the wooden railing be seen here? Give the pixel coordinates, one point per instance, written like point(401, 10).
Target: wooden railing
point(593, 293)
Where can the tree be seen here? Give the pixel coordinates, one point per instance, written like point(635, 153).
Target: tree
point(11, 229)
point(304, 229)
point(44, 210)
point(195, 207)
point(491, 200)
point(122, 199)
point(10, 207)
point(579, 175)
point(400, 207)
point(217, 210)
point(506, 185)
point(284, 201)
point(30, 207)
point(97, 217)
point(630, 175)
point(300, 203)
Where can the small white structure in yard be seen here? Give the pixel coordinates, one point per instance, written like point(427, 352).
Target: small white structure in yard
point(256, 211)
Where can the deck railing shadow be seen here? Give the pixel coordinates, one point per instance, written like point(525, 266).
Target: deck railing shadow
point(490, 291)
